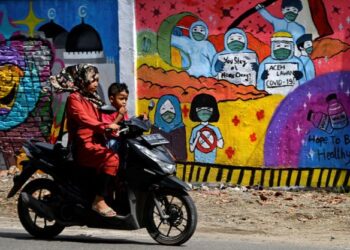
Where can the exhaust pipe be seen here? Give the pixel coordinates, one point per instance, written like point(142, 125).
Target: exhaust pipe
point(39, 207)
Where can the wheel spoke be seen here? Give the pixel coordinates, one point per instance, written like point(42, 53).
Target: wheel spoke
point(39, 198)
point(35, 217)
point(45, 224)
point(179, 229)
point(156, 213)
point(160, 223)
point(169, 230)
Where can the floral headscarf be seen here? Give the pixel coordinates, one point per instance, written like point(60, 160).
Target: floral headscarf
point(77, 78)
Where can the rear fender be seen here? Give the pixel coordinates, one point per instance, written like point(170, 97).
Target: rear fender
point(27, 171)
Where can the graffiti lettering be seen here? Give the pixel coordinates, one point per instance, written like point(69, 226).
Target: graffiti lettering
point(238, 68)
point(277, 67)
point(281, 75)
point(336, 154)
point(346, 139)
point(239, 61)
point(243, 76)
point(319, 140)
point(335, 140)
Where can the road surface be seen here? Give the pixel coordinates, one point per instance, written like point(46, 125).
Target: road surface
point(13, 236)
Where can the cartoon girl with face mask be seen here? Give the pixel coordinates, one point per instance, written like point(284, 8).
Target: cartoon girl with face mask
point(168, 122)
point(205, 138)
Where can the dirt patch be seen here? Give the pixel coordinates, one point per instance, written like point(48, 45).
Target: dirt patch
point(318, 217)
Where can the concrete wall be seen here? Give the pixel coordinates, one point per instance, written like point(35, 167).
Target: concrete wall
point(240, 113)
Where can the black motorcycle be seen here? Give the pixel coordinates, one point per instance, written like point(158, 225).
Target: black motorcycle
point(145, 194)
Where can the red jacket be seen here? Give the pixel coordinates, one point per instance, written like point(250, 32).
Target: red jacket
point(86, 132)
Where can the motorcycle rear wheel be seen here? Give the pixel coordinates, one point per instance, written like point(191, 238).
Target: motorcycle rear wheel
point(43, 190)
point(182, 217)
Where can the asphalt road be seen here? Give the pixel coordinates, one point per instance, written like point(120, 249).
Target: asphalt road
point(14, 237)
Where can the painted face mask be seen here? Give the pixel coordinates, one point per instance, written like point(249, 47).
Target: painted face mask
point(198, 33)
point(168, 116)
point(290, 16)
point(309, 50)
point(204, 114)
point(235, 45)
point(282, 54)
point(167, 111)
point(198, 36)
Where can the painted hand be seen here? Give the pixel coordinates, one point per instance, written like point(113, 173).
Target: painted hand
point(265, 75)
point(259, 6)
point(298, 74)
point(255, 67)
point(219, 66)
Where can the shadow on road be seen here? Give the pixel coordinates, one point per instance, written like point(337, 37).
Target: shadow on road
point(75, 238)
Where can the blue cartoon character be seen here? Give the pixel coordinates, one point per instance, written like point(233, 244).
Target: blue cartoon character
point(197, 48)
point(168, 122)
point(290, 11)
point(205, 138)
point(281, 72)
point(304, 44)
point(236, 63)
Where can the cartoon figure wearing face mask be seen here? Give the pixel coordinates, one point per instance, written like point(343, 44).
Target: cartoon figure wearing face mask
point(205, 138)
point(290, 11)
point(168, 122)
point(304, 44)
point(199, 50)
point(281, 72)
point(237, 54)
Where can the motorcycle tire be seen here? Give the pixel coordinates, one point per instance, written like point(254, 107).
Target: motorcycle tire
point(24, 212)
point(180, 208)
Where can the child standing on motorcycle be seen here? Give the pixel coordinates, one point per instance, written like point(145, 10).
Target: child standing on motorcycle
point(118, 94)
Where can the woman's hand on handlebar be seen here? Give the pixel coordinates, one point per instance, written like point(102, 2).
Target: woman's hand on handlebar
point(113, 126)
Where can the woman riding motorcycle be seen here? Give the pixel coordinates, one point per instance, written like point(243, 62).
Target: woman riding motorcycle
point(86, 129)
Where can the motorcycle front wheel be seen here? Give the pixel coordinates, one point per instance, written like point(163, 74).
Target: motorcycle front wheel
point(43, 190)
point(179, 222)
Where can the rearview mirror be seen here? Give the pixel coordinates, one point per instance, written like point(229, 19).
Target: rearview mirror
point(151, 105)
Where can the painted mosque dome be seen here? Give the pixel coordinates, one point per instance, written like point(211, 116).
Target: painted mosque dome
point(52, 29)
point(56, 32)
point(83, 38)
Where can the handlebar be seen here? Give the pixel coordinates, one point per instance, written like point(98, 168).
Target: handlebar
point(132, 125)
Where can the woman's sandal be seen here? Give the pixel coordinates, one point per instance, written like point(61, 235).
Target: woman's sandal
point(107, 212)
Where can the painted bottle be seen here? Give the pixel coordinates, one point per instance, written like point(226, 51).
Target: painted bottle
point(320, 120)
point(336, 112)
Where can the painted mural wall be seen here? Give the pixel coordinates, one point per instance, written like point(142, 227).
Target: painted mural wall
point(249, 92)
point(38, 39)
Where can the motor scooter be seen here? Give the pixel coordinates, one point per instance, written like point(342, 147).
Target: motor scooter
point(145, 193)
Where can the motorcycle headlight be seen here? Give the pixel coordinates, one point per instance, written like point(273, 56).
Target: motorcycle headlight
point(167, 167)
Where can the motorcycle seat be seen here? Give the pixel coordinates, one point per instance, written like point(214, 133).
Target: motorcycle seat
point(54, 151)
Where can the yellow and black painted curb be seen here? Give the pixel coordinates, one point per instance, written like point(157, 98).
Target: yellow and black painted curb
point(195, 172)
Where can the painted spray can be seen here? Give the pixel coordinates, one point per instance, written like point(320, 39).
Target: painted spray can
point(336, 112)
point(320, 120)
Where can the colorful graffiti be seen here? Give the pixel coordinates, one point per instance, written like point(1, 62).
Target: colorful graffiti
point(277, 71)
point(38, 39)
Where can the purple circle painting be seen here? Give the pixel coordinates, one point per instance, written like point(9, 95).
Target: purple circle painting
point(310, 128)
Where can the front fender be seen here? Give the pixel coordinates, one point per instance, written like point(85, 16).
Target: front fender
point(18, 181)
point(173, 182)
